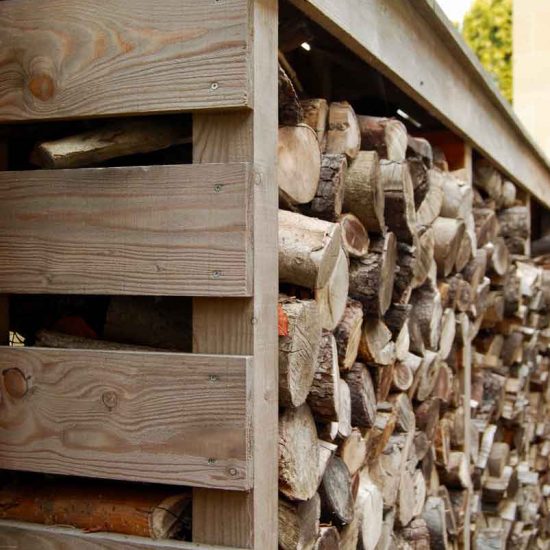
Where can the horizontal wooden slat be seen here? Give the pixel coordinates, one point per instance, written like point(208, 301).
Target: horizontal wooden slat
point(156, 417)
point(158, 230)
point(29, 536)
point(76, 58)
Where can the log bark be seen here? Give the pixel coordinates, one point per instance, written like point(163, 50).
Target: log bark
point(399, 213)
point(299, 523)
point(386, 136)
point(98, 505)
point(299, 164)
point(348, 334)
point(355, 238)
point(121, 138)
point(298, 451)
point(336, 495)
point(448, 235)
point(379, 435)
point(323, 397)
point(372, 277)
point(363, 398)
point(515, 227)
point(329, 197)
point(396, 318)
point(419, 177)
point(332, 298)
point(316, 117)
point(343, 134)
point(308, 250)
point(298, 350)
point(405, 274)
point(486, 225)
point(364, 194)
point(422, 148)
point(290, 110)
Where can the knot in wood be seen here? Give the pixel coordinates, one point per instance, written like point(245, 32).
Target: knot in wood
point(109, 399)
point(15, 382)
point(42, 87)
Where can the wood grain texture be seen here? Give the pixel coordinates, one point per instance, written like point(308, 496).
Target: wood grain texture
point(157, 417)
point(443, 76)
point(157, 230)
point(28, 536)
point(74, 58)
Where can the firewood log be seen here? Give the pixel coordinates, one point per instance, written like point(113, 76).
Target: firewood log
point(376, 344)
point(399, 212)
point(448, 235)
point(396, 318)
point(430, 207)
point(364, 194)
point(355, 238)
point(382, 377)
point(457, 198)
point(329, 539)
point(353, 451)
point(121, 138)
point(371, 277)
point(434, 516)
point(448, 332)
point(406, 498)
point(363, 398)
point(369, 509)
point(424, 252)
point(378, 436)
point(450, 519)
point(515, 227)
point(316, 117)
point(299, 164)
point(290, 110)
point(405, 272)
point(157, 512)
point(386, 136)
point(53, 339)
point(498, 458)
point(419, 177)
point(308, 250)
point(426, 376)
point(486, 225)
point(419, 484)
point(402, 376)
point(425, 319)
point(298, 452)
point(299, 523)
point(499, 259)
point(405, 419)
point(427, 416)
point(343, 134)
point(417, 535)
point(457, 473)
point(298, 350)
point(335, 491)
point(323, 397)
point(508, 195)
point(465, 252)
point(420, 147)
point(348, 334)
point(332, 297)
point(476, 268)
point(329, 197)
point(344, 413)
point(487, 178)
point(326, 450)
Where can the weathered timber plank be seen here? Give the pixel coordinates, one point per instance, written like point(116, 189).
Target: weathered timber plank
point(157, 417)
point(29, 536)
point(429, 61)
point(74, 58)
point(158, 230)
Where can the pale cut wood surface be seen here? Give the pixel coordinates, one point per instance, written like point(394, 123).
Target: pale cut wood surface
point(157, 230)
point(28, 536)
point(74, 58)
point(156, 417)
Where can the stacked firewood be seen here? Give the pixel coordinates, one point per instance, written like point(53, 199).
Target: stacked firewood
point(391, 269)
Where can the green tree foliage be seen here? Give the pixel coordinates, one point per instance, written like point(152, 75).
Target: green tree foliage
point(487, 29)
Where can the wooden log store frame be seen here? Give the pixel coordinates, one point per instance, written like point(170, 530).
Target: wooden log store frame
point(215, 59)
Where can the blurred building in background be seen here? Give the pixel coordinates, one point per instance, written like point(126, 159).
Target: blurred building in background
point(531, 62)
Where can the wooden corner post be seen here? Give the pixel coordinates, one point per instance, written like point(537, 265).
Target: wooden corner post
point(247, 326)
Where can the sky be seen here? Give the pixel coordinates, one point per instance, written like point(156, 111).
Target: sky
point(455, 9)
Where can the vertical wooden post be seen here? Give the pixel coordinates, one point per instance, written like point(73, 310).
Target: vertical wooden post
point(4, 300)
point(247, 326)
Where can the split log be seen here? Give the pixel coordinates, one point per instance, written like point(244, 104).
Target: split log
point(336, 496)
point(427, 416)
point(457, 472)
point(448, 235)
point(353, 451)
point(348, 334)
point(430, 208)
point(364, 194)
point(465, 252)
point(290, 110)
point(383, 378)
point(157, 512)
point(419, 501)
point(416, 535)
point(402, 376)
point(121, 138)
point(399, 213)
point(405, 274)
point(298, 452)
point(405, 419)
point(308, 250)
point(386, 136)
point(448, 332)
point(298, 350)
point(329, 539)
point(316, 117)
point(426, 377)
point(371, 277)
point(332, 298)
point(486, 225)
point(475, 270)
point(329, 197)
point(355, 238)
point(435, 518)
point(509, 193)
point(299, 523)
point(343, 134)
point(515, 227)
point(406, 498)
point(369, 509)
point(424, 252)
point(419, 177)
point(376, 346)
point(344, 413)
point(299, 164)
point(378, 436)
point(323, 397)
point(425, 319)
point(458, 198)
point(363, 398)
point(499, 261)
point(396, 318)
